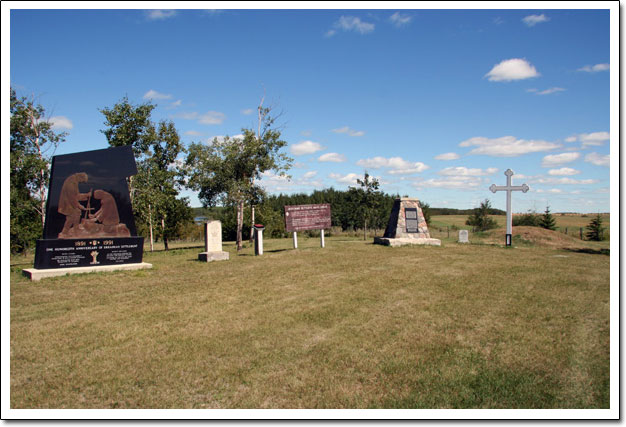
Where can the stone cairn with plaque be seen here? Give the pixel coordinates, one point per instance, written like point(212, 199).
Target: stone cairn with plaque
point(89, 218)
point(406, 225)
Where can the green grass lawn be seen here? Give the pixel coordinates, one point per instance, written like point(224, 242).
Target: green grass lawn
point(353, 325)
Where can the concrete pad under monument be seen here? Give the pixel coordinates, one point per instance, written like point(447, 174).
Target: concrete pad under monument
point(89, 218)
point(213, 243)
point(406, 225)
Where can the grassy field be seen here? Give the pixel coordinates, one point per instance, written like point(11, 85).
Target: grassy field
point(353, 325)
point(570, 223)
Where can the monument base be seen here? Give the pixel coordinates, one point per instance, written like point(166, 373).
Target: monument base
point(213, 256)
point(403, 241)
point(36, 274)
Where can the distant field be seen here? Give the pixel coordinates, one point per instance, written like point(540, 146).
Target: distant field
point(573, 223)
point(354, 325)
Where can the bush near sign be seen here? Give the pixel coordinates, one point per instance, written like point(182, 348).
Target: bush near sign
point(307, 217)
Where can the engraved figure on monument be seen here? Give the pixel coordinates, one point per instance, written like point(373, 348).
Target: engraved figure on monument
point(69, 204)
point(108, 215)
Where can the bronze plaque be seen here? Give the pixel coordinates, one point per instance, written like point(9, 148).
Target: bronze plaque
point(307, 217)
point(410, 216)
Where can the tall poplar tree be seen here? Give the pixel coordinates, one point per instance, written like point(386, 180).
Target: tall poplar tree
point(227, 171)
point(32, 144)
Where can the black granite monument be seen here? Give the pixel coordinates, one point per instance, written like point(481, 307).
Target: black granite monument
point(89, 217)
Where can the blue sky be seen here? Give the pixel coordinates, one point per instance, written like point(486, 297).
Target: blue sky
point(436, 104)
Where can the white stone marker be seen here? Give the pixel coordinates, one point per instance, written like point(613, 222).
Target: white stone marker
point(213, 243)
point(295, 240)
point(509, 213)
point(258, 239)
point(322, 237)
point(463, 236)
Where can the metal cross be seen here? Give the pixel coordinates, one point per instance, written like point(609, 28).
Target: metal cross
point(509, 213)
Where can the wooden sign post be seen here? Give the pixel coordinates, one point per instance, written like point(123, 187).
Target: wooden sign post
point(307, 217)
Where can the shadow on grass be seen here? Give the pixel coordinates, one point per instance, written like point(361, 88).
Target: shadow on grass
point(602, 251)
point(173, 249)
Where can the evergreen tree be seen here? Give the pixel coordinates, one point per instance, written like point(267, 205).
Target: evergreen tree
point(595, 231)
point(547, 221)
point(480, 218)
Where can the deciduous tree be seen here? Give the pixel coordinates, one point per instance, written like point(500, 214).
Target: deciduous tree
point(228, 170)
point(32, 144)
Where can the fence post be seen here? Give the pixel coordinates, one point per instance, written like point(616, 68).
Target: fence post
point(566, 231)
point(581, 233)
point(448, 227)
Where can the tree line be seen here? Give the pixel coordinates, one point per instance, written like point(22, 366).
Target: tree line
point(226, 174)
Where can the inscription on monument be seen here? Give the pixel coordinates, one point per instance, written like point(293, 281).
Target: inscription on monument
point(410, 216)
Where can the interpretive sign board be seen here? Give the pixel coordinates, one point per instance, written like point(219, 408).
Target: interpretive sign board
point(307, 217)
point(89, 217)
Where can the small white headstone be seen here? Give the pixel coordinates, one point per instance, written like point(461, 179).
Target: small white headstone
point(463, 236)
point(213, 236)
point(213, 243)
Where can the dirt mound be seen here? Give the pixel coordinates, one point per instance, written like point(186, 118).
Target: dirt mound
point(536, 236)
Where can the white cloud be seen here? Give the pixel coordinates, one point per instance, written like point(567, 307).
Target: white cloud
point(447, 156)
point(595, 68)
point(212, 118)
point(309, 174)
point(558, 159)
point(512, 69)
point(332, 157)
point(273, 182)
point(348, 131)
point(160, 14)
point(60, 122)
point(400, 20)
point(247, 111)
point(598, 159)
point(451, 183)
point(397, 165)
point(176, 104)
point(593, 139)
point(463, 171)
point(571, 139)
point(551, 191)
point(563, 172)
point(193, 133)
point(305, 147)
point(506, 146)
point(565, 181)
point(532, 20)
point(345, 179)
point(153, 94)
point(549, 91)
point(351, 23)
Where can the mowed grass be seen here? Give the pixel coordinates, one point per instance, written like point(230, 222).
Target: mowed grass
point(353, 325)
